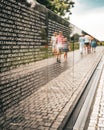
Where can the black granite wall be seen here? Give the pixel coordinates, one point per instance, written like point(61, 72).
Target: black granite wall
point(24, 36)
point(24, 32)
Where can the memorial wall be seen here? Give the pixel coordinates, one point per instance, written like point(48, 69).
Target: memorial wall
point(24, 39)
point(24, 32)
point(20, 34)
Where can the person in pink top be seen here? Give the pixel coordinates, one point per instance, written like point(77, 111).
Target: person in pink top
point(59, 46)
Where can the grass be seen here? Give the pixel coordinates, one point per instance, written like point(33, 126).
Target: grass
point(74, 46)
point(100, 43)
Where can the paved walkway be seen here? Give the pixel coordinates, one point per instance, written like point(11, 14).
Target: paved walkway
point(96, 120)
point(47, 107)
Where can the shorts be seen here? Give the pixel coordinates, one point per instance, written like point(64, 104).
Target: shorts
point(53, 45)
point(59, 47)
point(65, 50)
point(87, 44)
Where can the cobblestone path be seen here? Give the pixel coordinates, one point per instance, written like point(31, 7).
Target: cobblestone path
point(46, 108)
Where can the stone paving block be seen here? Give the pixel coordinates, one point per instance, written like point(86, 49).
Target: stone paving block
point(91, 128)
point(101, 125)
point(92, 124)
point(101, 128)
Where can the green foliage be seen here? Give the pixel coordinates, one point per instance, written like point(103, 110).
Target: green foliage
point(60, 7)
point(74, 46)
point(47, 3)
point(100, 43)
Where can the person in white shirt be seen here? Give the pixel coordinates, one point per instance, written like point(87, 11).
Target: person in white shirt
point(87, 43)
point(53, 42)
point(81, 43)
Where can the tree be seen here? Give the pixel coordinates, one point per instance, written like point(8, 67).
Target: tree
point(47, 3)
point(76, 37)
point(60, 7)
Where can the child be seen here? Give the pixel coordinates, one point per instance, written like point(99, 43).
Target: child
point(93, 44)
point(65, 48)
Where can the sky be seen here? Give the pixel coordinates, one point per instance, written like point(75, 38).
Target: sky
point(89, 16)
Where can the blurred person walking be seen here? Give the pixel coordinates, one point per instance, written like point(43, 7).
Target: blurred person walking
point(93, 44)
point(81, 43)
point(59, 46)
point(53, 42)
point(66, 48)
point(87, 43)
